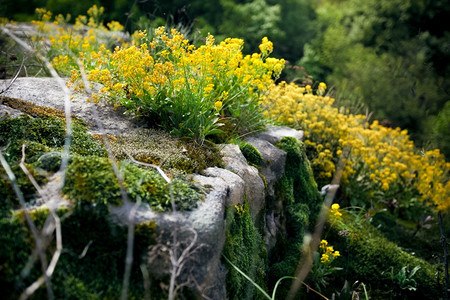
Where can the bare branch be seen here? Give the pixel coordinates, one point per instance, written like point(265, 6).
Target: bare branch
point(30, 222)
point(14, 77)
point(146, 277)
point(47, 271)
point(67, 105)
point(49, 231)
point(123, 192)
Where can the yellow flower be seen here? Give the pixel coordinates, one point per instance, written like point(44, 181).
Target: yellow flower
point(325, 258)
point(218, 105)
point(208, 88)
point(335, 206)
point(323, 244)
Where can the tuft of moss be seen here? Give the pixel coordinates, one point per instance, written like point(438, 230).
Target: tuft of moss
point(200, 157)
point(48, 131)
point(83, 143)
point(14, 253)
point(244, 247)
point(92, 263)
point(9, 199)
point(32, 109)
point(91, 179)
point(298, 170)
point(252, 154)
point(45, 134)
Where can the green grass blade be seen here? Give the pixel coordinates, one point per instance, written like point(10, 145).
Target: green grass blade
point(248, 278)
point(278, 282)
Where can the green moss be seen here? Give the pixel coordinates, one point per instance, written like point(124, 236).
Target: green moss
point(92, 263)
point(300, 175)
point(244, 247)
point(425, 244)
point(250, 153)
point(301, 201)
point(44, 134)
point(371, 257)
point(83, 143)
point(14, 252)
point(47, 131)
point(75, 289)
point(200, 157)
point(91, 179)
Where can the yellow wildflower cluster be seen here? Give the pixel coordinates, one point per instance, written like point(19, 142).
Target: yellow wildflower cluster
point(69, 44)
point(380, 161)
point(328, 252)
point(334, 212)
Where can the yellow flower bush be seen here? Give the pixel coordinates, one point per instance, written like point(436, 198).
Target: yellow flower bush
point(382, 165)
point(186, 89)
point(160, 76)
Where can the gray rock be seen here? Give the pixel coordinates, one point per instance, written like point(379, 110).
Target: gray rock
point(254, 185)
point(47, 92)
point(236, 185)
point(208, 223)
point(274, 160)
point(273, 134)
point(8, 112)
point(225, 187)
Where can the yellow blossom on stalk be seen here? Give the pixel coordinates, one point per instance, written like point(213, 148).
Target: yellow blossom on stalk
point(321, 89)
point(324, 258)
point(328, 252)
point(168, 66)
point(115, 26)
point(218, 105)
point(266, 47)
point(335, 210)
point(308, 88)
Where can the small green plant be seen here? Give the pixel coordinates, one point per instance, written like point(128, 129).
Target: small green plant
point(322, 265)
point(403, 278)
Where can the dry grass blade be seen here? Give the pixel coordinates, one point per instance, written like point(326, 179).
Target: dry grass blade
point(32, 226)
point(306, 262)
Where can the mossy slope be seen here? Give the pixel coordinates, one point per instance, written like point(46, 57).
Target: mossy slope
point(92, 263)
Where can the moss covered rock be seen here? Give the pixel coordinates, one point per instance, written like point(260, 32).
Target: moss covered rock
point(301, 202)
point(91, 179)
point(378, 262)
